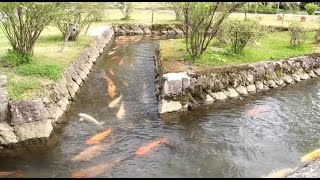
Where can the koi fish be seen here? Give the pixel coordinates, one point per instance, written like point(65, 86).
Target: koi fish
point(109, 81)
point(115, 103)
point(147, 148)
point(115, 48)
point(111, 72)
point(89, 153)
point(94, 171)
point(255, 111)
point(282, 173)
point(121, 62)
point(120, 114)
point(124, 83)
point(144, 86)
point(114, 57)
point(112, 52)
point(132, 66)
point(88, 118)
point(111, 90)
point(5, 174)
point(311, 156)
point(98, 137)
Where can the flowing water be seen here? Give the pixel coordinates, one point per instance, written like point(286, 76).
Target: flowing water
point(246, 137)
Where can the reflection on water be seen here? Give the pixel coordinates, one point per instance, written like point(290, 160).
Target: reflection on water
point(239, 138)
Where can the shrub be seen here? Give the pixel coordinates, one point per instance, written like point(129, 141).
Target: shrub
point(298, 34)
point(14, 58)
point(311, 8)
point(242, 33)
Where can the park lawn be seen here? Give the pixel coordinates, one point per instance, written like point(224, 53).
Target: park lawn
point(271, 46)
point(312, 22)
point(27, 81)
point(139, 16)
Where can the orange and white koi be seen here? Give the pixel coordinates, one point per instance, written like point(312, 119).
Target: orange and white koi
point(115, 102)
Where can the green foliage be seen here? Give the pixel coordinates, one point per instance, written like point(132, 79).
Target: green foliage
point(22, 23)
point(311, 8)
point(217, 59)
point(51, 71)
point(126, 9)
point(201, 21)
point(241, 33)
point(291, 6)
point(13, 58)
point(298, 34)
point(80, 14)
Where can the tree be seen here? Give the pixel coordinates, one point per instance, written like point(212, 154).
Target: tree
point(311, 8)
point(201, 21)
point(126, 9)
point(22, 22)
point(176, 9)
point(79, 15)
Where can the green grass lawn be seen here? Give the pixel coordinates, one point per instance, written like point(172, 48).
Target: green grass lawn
point(272, 46)
point(138, 16)
point(26, 81)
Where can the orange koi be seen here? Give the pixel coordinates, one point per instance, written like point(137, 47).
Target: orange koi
point(112, 90)
point(121, 62)
point(98, 137)
point(111, 72)
point(92, 171)
point(147, 148)
point(109, 81)
point(115, 57)
point(16, 173)
point(89, 153)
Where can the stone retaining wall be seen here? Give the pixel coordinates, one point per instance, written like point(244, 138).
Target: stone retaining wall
point(146, 29)
point(310, 170)
point(186, 90)
point(36, 119)
point(168, 29)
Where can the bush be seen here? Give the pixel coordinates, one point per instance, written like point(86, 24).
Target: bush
point(298, 34)
point(311, 8)
point(13, 58)
point(242, 33)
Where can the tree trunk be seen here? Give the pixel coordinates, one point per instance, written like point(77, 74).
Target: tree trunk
point(87, 28)
point(152, 16)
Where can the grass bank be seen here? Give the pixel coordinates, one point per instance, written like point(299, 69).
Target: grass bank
point(27, 81)
point(271, 46)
